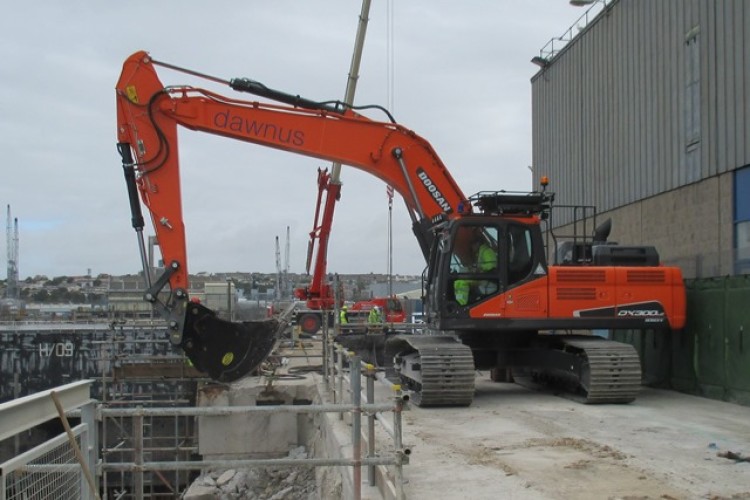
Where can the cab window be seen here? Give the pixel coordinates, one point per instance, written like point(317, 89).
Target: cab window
point(474, 264)
point(520, 254)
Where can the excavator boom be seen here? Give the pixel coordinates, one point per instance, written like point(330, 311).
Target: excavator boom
point(148, 114)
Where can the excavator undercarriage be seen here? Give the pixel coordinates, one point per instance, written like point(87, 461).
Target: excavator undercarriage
point(589, 369)
point(440, 370)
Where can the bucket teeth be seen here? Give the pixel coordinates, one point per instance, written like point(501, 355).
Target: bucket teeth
point(225, 350)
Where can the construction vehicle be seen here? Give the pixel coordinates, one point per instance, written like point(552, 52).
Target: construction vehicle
point(318, 299)
point(391, 307)
point(517, 313)
point(318, 296)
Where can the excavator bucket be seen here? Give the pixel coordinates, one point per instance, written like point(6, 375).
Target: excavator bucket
point(225, 350)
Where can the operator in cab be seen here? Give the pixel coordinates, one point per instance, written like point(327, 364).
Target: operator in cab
point(484, 260)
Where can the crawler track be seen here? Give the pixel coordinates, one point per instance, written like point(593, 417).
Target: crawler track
point(439, 371)
point(611, 371)
point(589, 370)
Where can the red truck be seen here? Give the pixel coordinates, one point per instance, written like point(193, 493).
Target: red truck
point(391, 308)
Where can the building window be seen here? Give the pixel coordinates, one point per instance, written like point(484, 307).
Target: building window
point(742, 220)
point(692, 91)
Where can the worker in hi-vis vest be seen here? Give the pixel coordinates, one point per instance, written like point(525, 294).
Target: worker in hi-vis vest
point(344, 315)
point(375, 317)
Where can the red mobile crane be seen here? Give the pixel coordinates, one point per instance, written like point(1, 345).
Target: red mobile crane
point(502, 319)
point(318, 296)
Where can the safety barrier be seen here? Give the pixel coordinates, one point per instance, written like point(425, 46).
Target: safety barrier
point(136, 457)
point(140, 464)
point(133, 457)
point(342, 383)
point(61, 467)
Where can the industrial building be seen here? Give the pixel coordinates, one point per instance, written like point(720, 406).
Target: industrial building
point(641, 109)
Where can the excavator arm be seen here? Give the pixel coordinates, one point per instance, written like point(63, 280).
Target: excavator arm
point(148, 116)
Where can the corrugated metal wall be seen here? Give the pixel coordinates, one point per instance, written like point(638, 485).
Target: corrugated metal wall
point(651, 96)
point(711, 356)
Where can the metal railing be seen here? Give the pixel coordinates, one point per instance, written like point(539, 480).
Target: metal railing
point(558, 43)
point(59, 467)
point(133, 457)
point(48, 471)
point(140, 464)
point(336, 384)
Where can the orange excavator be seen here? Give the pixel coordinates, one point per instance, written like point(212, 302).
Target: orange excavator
point(508, 310)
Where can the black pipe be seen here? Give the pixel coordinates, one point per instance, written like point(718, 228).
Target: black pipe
point(257, 88)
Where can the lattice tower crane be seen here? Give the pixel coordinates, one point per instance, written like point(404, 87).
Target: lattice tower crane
point(11, 290)
point(279, 271)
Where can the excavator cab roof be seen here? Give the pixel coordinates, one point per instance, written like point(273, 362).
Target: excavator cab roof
point(513, 203)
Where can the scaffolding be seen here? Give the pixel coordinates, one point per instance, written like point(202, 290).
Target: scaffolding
point(142, 370)
point(151, 450)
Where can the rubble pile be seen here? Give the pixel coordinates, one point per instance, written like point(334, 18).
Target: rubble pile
point(263, 483)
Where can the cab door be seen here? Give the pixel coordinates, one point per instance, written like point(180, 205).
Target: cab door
point(526, 292)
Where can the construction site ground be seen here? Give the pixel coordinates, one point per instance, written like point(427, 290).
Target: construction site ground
point(515, 442)
point(522, 442)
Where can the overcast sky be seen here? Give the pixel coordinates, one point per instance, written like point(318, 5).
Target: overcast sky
point(461, 79)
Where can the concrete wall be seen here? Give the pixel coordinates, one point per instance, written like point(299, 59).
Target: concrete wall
point(254, 435)
point(691, 227)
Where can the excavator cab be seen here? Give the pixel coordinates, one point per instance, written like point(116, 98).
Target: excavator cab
point(477, 258)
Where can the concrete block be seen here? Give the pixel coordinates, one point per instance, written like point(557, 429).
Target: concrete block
point(253, 434)
point(200, 492)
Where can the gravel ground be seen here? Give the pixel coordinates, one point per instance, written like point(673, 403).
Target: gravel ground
point(261, 483)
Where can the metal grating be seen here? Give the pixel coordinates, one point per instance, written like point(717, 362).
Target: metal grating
point(576, 293)
point(581, 275)
point(49, 471)
point(647, 276)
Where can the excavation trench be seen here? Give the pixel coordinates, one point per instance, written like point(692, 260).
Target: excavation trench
point(277, 440)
